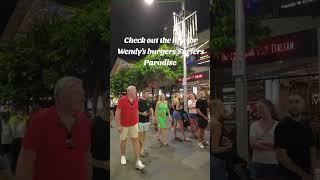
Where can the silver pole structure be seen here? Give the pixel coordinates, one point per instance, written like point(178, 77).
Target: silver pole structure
point(239, 68)
point(184, 82)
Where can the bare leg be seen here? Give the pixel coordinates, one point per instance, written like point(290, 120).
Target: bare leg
point(201, 135)
point(141, 142)
point(136, 147)
point(175, 129)
point(181, 128)
point(196, 127)
point(165, 141)
point(123, 147)
point(160, 134)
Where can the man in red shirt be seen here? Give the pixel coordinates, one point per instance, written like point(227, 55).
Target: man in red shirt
point(127, 118)
point(56, 145)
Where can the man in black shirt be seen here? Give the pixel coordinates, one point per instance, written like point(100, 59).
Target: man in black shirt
point(202, 110)
point(294, 142)
point(100, 142)
point(145, 110)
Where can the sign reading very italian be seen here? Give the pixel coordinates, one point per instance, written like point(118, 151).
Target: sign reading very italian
point(295, 45)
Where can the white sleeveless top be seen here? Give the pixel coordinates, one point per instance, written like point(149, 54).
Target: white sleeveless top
point(259, 156)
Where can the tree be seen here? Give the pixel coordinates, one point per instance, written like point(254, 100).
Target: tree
point(77, 47)
point(223, 27)
point(141, 75)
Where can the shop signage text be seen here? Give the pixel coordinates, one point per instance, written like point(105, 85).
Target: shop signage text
point(315, 99)
point(195, 77)
point(275, 47)
point(294, 3)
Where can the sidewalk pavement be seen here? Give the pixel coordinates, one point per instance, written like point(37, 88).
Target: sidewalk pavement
point(181, 160)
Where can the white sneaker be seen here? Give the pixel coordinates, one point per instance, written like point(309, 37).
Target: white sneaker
point(123, 160)
point(201, 145)
point(139, 165)
point(205, 142)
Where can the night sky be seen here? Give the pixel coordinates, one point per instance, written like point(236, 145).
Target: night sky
point(6, 9)
point(135, 18)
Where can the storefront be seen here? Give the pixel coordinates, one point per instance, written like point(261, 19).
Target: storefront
point(278, 66)
point(199, 80)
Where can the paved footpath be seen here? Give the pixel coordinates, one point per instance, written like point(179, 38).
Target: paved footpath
point(181, 160)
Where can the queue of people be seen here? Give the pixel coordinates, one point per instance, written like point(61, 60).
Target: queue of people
point(282, 148)
point(135, 116)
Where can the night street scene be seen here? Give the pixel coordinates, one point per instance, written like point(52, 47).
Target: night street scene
point(160, 89)
point(265, 98)
point(54, 59)
point(170, 138)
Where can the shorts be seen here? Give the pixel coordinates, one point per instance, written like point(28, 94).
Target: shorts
point(202, 123)
point(176, 115)
point(218, 168)
point(131, 132)
point(143, 127)
point(259, 170)
point(193, 116)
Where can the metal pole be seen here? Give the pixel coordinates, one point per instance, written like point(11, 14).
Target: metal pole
point(319, 60)
point(239, 68)
point(184, 82)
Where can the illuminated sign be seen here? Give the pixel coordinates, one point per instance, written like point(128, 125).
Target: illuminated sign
point(299, 7)
point(196, 76)
point(295, 45)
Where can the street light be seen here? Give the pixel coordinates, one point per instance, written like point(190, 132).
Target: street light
point(149, 2)
point(184, 82)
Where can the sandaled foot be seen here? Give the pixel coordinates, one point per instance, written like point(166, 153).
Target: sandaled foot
point(187, 140)
point(178, 139)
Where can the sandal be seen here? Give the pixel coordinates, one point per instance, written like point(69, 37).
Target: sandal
point(178, 139)
point(187, 139)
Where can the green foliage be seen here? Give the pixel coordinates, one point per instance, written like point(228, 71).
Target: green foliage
point(141, 75)
point(223, 27)
point(77, 47)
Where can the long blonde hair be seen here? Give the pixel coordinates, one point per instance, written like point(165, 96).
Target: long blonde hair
point(162, 95)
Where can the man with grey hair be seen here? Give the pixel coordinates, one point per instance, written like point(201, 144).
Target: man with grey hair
point(57, 142)
point(127, 118)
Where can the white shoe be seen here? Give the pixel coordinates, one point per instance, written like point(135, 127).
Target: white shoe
point(205, 142)
point(123, 160)
point(139, 165)
point(201, 145)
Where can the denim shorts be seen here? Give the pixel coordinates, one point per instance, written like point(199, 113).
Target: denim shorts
point(177, 115)
point(264, 170)
point(193, 116)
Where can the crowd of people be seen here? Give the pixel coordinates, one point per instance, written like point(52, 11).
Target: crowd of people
point(135, 116)
point(283, 148)
point(58, 142)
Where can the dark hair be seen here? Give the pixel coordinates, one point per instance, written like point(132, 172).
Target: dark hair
point(272, 109)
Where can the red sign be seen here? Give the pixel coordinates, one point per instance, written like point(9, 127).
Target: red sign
point(276, 47)
point(301, 44)
point(195, 77)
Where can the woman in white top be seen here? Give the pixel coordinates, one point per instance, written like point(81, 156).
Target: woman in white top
point(193, 114)
point(264, 161)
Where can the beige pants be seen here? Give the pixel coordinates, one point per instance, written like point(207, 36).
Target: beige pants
point(131, 132)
